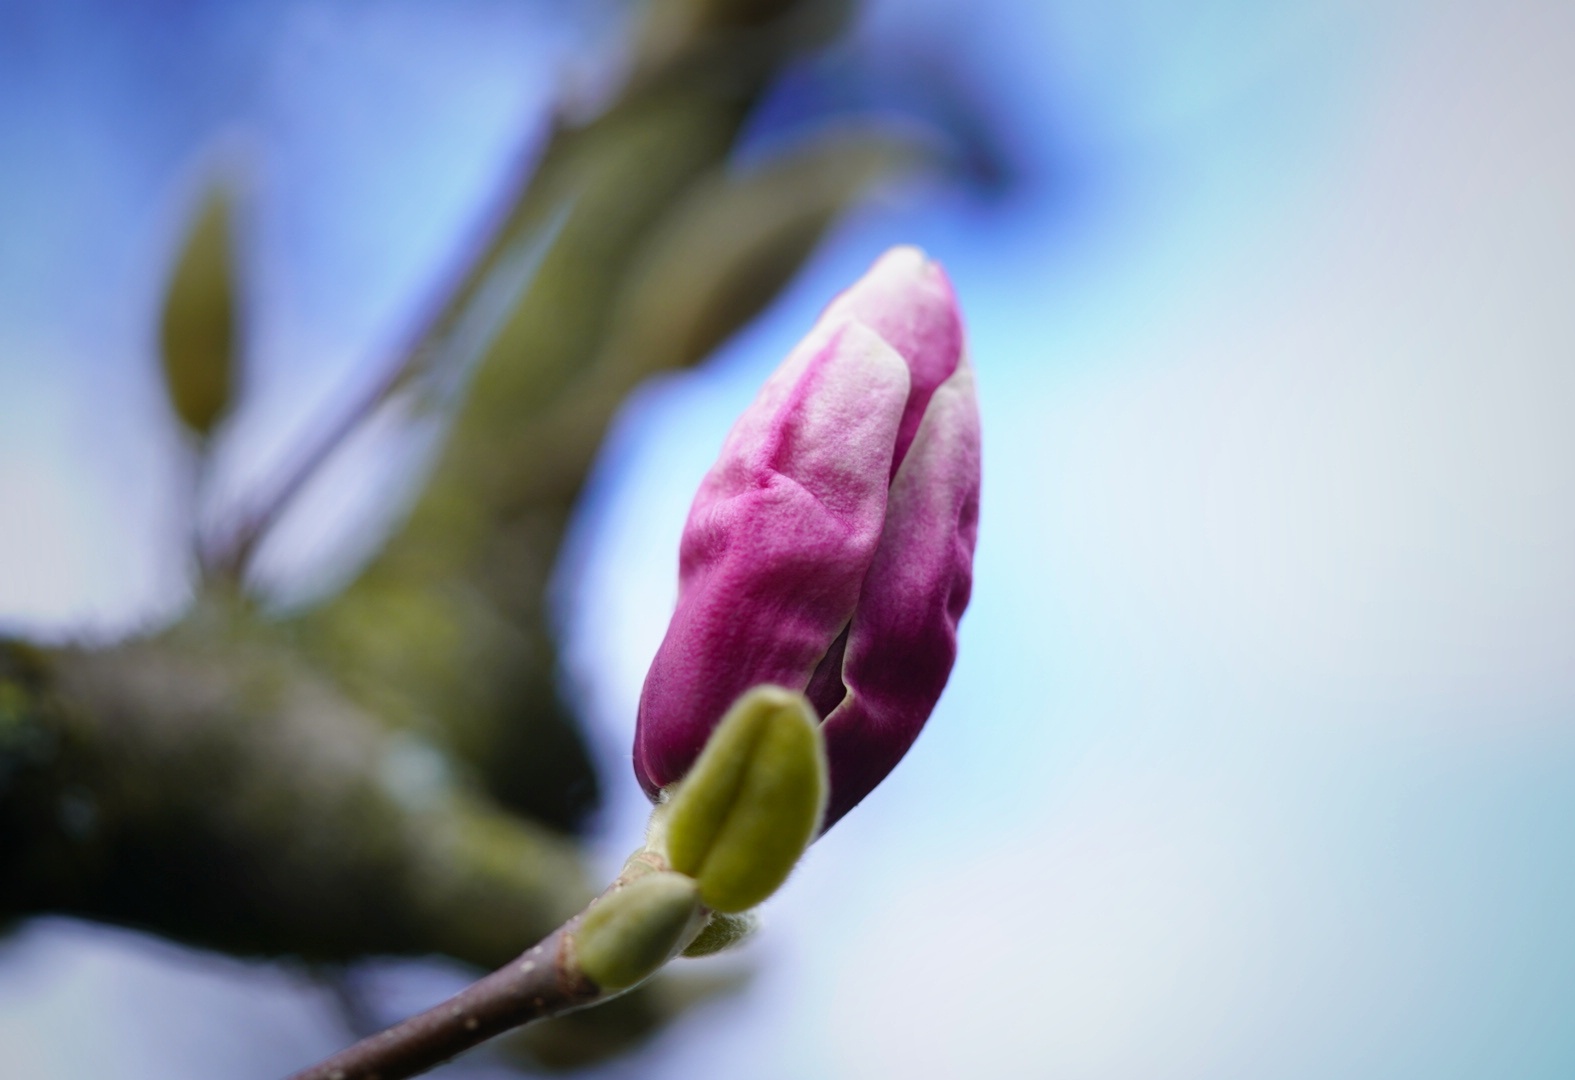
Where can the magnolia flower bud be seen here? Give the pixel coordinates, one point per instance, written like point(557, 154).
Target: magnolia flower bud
point(830, 548)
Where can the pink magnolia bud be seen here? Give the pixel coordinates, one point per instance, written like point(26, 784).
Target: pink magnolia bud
point(830, 548)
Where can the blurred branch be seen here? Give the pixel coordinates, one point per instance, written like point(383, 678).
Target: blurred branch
point(392, 772)
point(720, 256)
point(690, 55)
point(206, 785)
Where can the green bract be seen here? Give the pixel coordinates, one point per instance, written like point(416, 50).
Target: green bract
point(722, 932)
point(632, 931)
point(749, 807)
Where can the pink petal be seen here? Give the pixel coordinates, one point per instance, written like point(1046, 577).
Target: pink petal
point(908, 300)
point(778, 540)
point(904, 635)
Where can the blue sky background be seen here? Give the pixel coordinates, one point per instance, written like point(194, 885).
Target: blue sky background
point(1259, 757)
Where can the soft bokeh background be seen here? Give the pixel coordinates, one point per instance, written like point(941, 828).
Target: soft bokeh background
point(1259, 758)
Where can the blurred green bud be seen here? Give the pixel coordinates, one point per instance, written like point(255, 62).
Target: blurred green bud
point(722, 932)
point(749, 807)
point(197, 333)
point(632, 931)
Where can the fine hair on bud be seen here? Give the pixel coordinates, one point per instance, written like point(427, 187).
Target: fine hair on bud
point(722, 932)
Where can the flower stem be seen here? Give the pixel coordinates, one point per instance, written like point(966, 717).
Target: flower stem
point(543, 981)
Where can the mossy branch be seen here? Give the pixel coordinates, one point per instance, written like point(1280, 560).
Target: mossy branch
point(206, 785)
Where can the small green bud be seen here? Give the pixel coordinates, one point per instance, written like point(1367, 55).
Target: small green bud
point(198, 329)
point(723, 932)
point(751, 804)
point(632, 931)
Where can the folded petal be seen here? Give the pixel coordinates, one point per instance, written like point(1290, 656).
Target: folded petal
point(903, 638)
point(908, 300)
point(778, 541)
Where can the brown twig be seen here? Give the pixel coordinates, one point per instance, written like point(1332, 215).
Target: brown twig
point(544, 981)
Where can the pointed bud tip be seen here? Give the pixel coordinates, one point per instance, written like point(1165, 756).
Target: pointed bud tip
point(905, 271)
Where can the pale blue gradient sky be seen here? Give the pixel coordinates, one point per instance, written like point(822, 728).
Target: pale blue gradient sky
point(1259, 759)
